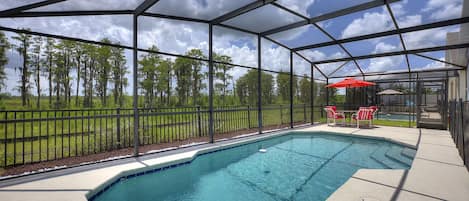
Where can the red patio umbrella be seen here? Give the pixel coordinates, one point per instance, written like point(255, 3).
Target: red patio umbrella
point(350, 83)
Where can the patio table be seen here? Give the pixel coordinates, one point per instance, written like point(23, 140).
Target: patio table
point(345, 112)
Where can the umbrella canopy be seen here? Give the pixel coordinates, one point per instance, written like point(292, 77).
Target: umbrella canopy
point(389, 92)
point(350, 83)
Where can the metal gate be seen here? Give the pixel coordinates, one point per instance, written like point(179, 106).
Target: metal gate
point(432, 104)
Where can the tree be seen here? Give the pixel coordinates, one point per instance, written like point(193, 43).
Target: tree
point(320, 93)
point(267, 85)
point(305, 90)
point(4, 46)
point(283, 86)
point(221, 74)
point(36, 64)
point(189, 77)
point(103, 71)
point(182, 71)
point(22, 48)
point(148, 74)
point(78, 57)
point(246, 88)
point(48, 62)
point(163, 85)
point(118, 71)
point(197, 76)
point(62, 71)
point(89, 69)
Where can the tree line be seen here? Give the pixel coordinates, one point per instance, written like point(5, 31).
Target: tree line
point(95, 68)
point(87, 75)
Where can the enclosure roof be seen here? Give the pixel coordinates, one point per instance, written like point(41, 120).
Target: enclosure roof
point(338, 38)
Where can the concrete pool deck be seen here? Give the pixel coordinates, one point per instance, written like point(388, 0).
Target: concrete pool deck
point(437, 172)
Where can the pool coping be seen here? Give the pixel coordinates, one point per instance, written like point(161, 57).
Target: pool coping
point(437, 171)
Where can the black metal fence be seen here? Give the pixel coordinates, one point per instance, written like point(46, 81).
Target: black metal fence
point(459, 127)
point(44, 135)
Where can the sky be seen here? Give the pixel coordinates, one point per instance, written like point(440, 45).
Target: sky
point(178, 37)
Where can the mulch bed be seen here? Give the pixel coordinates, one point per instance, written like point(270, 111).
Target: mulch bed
point(74, 161)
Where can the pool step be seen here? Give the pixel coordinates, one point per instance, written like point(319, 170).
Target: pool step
point(394, 153)
point(380, 157)
point(408, 152)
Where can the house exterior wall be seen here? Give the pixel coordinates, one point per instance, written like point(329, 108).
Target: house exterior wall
point(458, 86)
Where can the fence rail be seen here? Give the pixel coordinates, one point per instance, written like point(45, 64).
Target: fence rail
point(43, 135)
point(459, 128)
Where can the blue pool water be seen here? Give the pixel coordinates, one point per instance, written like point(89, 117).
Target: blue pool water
point(295, 167)
point(396, 117)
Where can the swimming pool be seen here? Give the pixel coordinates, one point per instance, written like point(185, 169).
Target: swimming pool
point(396, 117)
point(297, 166)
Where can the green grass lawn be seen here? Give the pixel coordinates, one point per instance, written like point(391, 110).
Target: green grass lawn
point(40, 136)
point(381, 122)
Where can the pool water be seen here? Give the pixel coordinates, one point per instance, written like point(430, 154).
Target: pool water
point(294, 167)
point(396, 117)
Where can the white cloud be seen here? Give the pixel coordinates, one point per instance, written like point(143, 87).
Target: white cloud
point(275, 58)
point(207, 9)
point(383, 64)
point(117, 28)
point(299, 6)
point(410, 20)
point(300, 66)
point(433, 65)
point(349, 69)
point(263, 18)
point(443, 9)
point(239, 55)
point(290, 34)
point(447, 12)
point(317, 55)
point(163, 34)
point(91, 5)
point(398, 8)
point(328, 68)
point(384, 47)
point(371, 22)
point(427, 38)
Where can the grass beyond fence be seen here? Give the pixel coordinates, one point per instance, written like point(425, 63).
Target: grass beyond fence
point(35, 136)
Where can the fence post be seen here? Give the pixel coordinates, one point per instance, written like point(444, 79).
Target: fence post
point(321, 109)
point(249, 116)
point(461, 107)
point(5, 156)
point(118, 127)
point(281, 115)
point(199, 122)
point(304, 112)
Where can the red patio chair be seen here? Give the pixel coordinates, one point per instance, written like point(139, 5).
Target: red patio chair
point(375, 111)
point(333, 115)
point(363, 114)
point(333, 107)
